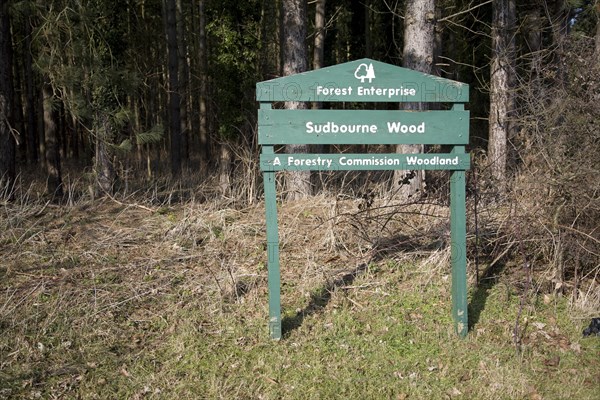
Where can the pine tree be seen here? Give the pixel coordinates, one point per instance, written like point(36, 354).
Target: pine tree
point(295, 61)
point(417, 54)
point(7, 142)
point(501, 92)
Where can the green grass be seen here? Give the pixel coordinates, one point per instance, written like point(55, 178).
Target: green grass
point(398, 344)
point(140, 325)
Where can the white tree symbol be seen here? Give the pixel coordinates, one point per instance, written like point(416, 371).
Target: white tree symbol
point(364, 71)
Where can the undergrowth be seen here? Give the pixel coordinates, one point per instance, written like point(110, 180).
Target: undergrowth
point(116, 299)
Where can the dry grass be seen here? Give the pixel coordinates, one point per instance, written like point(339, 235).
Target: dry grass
point(117, 299)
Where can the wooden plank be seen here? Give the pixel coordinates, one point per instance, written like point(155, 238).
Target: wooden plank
point(362, 127)
point(363, 80)
point(363, 162)
point(458, 248)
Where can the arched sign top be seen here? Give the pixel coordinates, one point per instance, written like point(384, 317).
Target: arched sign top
point(363, 80)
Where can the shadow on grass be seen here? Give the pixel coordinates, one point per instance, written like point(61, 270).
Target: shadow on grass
point(487, 281)
point(384, 247)
point(319, 299)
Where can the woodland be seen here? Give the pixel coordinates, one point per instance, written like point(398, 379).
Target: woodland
point(143, 113)
point(104, 98)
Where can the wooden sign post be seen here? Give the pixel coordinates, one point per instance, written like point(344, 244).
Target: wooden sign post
point(365, 81)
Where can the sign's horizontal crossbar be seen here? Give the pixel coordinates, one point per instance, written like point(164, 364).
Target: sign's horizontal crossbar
point(358, 162)
point(362, 127)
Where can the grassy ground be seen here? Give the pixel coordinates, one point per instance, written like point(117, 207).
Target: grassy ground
point(112, 301)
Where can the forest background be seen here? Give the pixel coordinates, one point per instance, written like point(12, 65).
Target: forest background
point(113, 98)
point(151, 104)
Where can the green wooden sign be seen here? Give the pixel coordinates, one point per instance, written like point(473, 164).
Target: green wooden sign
point(365, 81)
point(358, 162)
point(362, 127)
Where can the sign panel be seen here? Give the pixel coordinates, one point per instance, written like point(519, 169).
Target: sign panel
point(362, 127)
point(363, 80)
point(363, 162)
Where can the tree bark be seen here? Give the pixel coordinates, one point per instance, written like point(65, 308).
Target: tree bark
point(319, 49)
point(53, 170)
point(7, 142)
point(501, 95)
point(225, 160)
point(32, 143)
point(560, 28)
point(174, 95)
point(532, 28)
point(597, 39)
point(417, 54)
point(104, 168)
point(202, 62)
point(184, 82)
point(295, 61)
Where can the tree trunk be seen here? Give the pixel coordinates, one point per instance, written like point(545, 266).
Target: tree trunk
point(32, 143)
point(174, 95)
point(532, 28)
point(18, 124)
point(225, 159)
point(560, 27)
point(597, 39)
point(202, 62)
point(501, 95)
point(53, 170)
point(183, 75)
point(7, 143)
point(295, 61)
point(368, 29)
point(319, 46)
point(319, 49)
point(104, 168)
point(417, 54)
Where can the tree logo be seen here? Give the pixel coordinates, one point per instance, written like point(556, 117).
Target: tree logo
point(365, 71)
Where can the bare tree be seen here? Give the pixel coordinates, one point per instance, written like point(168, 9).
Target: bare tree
point(51, 142)
point(203, 67)
point(174, 95)
point(319, 49)
point(417, 54)
point(32, 142)
point(501, 94)
point(295, 61)
point(7, 143)
point(184, 82)
point(597, 39)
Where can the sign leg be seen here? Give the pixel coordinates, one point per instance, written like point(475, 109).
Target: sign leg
point(458, 227)
point(273, 256)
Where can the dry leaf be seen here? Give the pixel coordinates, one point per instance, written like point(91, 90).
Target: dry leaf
point(552, 362)
point(547, 299)
point(539, 325)
point(576, 347)
point(271, 380)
